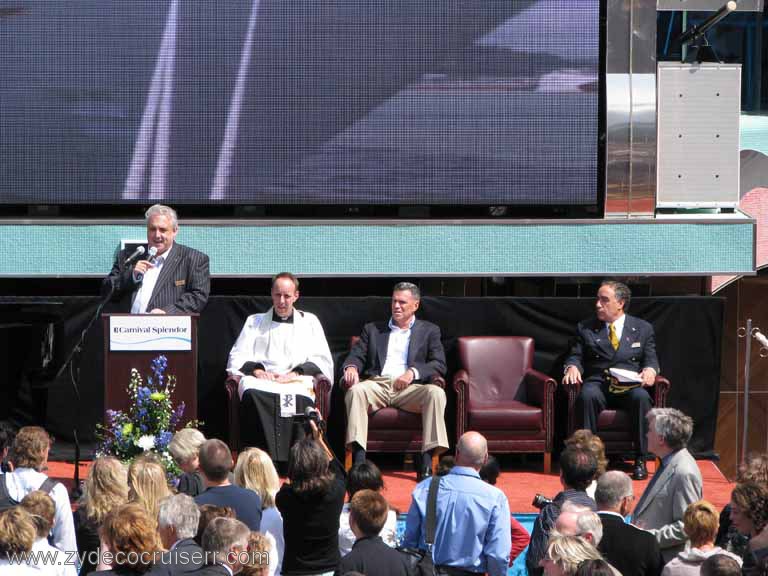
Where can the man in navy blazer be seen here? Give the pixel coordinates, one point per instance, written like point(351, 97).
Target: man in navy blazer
point(613, 339)
point(175, 280)
point(393, 364)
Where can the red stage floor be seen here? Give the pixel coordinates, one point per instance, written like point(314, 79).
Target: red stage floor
point(519, 486)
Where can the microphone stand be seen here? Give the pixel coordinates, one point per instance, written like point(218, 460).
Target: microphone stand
point(701, 50)
point(749, 332)
point(74, 376)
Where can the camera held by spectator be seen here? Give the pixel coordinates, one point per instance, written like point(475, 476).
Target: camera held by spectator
point(311, 414)
point(539, 501)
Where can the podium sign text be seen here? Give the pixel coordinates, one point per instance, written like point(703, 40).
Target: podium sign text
point(134, 340)
point(150, 332)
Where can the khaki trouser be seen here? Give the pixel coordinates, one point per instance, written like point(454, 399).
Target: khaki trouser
point(371, 395)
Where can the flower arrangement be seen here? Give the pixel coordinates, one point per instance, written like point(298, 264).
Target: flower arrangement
point(149, 423)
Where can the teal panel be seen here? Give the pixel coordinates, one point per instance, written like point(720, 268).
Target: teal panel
point(754, 133)
point(418, 248)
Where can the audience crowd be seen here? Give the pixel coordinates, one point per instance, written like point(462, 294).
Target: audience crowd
point(224, 518)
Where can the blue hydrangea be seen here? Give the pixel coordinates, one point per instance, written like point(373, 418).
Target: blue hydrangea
point(163, 439)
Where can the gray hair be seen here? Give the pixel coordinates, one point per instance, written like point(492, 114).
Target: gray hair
point(179, 512)
point(222, 534)
point(412, 288)
point(587, 521)
point(185, 444)
point(620, 290)
point(612, 488)
point(161, 210)
point(672, 426)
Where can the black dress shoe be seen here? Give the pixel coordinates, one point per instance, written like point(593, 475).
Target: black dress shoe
point(639, 472)
point(358, 455)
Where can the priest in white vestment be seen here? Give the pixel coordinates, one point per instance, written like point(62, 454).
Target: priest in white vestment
point(278, 354)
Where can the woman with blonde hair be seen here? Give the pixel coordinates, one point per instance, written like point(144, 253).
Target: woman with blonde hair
point(17, 535)
point(185, 449)
point(105, 488)
point(147, 484)
point(130, 535)
point(260, 551)
point(254, 470)
point(700, 523)
point(43, 510)
point(565, 553)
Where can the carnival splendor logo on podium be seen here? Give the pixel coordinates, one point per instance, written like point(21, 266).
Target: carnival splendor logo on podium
point(150, 332)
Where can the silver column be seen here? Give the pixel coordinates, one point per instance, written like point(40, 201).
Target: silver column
point(630, 108)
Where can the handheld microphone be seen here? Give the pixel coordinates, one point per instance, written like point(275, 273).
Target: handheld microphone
point(152, 254)
point(136, 253)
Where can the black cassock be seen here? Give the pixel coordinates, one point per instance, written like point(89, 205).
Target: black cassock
point(262, 426)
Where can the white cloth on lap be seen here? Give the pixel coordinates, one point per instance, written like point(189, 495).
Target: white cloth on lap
point(301, 386)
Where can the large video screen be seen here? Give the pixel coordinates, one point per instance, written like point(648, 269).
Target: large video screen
point(278, 102)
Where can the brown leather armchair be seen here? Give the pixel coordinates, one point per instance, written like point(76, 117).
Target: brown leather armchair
point(613, 426)
point(322, 388)
point(393, 430)
point(500, 395)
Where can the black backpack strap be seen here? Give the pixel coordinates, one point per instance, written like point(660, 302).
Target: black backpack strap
point(431, 522)
point(48, 485)
point(4, 494)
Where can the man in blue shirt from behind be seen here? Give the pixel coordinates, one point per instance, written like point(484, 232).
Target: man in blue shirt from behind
point(472, 532)
point(215, 464)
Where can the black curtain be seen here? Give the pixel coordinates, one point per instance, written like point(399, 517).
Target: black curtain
point(688, 335)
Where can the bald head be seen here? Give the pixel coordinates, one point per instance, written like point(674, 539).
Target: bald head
point(577, 520)
point(472, 450)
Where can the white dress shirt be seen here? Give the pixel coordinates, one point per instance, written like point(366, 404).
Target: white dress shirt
point(144, 293)
point(397, 351)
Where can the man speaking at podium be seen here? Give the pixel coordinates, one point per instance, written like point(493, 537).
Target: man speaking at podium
point(166, 278)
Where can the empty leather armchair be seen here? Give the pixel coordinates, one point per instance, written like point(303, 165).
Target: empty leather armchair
point(614, 426)
point(322, 387)
point(500, 395)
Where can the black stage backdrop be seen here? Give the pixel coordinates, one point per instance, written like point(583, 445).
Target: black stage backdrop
point(688, 336)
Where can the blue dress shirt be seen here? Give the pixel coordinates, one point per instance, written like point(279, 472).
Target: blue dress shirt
point(473, 530)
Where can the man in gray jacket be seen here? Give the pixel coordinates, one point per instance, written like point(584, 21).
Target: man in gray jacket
point(675, 485)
